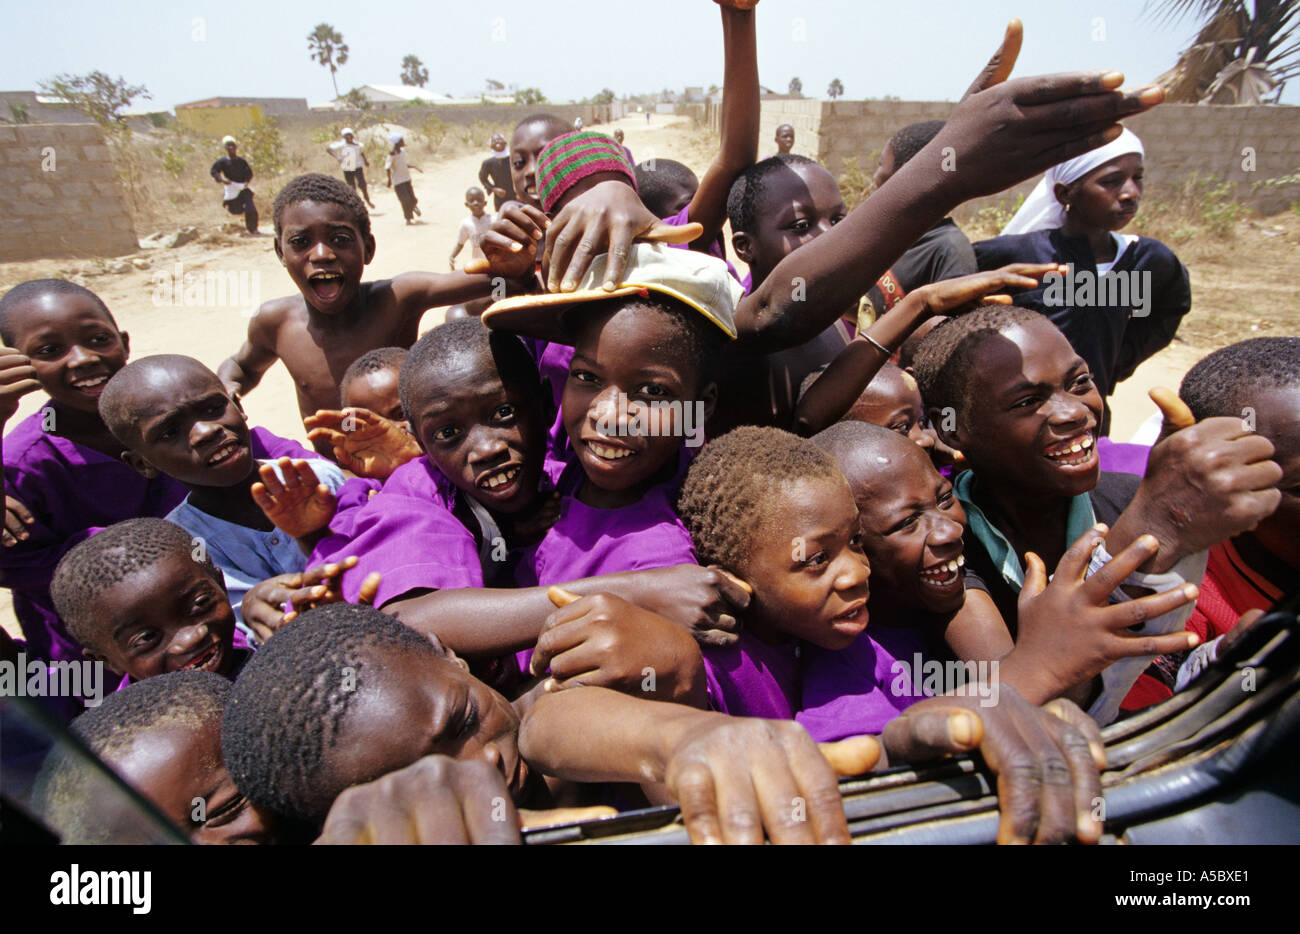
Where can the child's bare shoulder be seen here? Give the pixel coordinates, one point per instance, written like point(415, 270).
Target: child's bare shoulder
point(271, 316)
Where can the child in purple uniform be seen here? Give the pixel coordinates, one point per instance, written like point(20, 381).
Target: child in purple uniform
point(775, 510)
point(176, 418)
point(63, 472)
point(634, 406)
point(481, 494)
point(142, 599)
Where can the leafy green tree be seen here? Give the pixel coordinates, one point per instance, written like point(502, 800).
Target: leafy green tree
point(836, 89)
point(796, 87)
point(606, 96)
point(97, 95)
point(414, 74)
point(527, 97)
point(326, 45)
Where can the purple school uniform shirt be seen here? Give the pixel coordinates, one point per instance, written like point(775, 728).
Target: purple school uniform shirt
point(1120, 457)
point(69, 489)
point(586, 541)
point(859, 689)
point(406, 532)
point(753, 679)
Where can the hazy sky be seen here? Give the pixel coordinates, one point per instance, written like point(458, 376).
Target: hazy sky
point(919, 50)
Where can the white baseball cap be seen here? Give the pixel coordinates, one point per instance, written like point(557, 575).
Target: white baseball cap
point(227, 140)
point(697, 280)
point(347, 131)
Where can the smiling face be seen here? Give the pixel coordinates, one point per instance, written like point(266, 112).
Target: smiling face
point(1107, 198)
point(912, 526)
point(170, 616)
point(376, 391)
point(173, 764)
point(628, 357)
point(1032, 413)
point(72, 344)
point(415, 704)
point(799, 203)
point(487, 436)
point(807, 566)
point(324, 253)
point(187, 426)
point(526, 144)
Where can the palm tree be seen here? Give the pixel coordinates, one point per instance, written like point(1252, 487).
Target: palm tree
point(326, 45)
point(836, 89)
point(796, 87)
point(414, 74)
point(1242, 52)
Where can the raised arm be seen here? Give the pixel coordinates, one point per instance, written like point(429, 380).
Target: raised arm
point(995, 138)
point(485, 622)
point(244, 370)
point(740, 118)
point(835, 391)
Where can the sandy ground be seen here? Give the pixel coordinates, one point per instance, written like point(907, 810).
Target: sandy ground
point(213, 332)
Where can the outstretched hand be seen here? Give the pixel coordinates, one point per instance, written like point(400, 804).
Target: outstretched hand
point(299, 504)
point(736, 778)
point(964, 293)
point(1051, 656)
point(435, 800)
point(263, 605)
point(17, 379)
point(17, 518)
point(606, 219)
point(1047, 759)
point(364, 442)
point(1205, 482)
point(999, 67)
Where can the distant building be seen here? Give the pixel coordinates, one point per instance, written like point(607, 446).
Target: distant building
point(383, 96)
point(270, 106)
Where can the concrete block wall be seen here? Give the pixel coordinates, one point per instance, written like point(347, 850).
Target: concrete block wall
point(60, 194)
point(1180, 140)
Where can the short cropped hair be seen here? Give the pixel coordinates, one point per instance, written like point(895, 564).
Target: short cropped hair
point(1224, 382)
point(372, 361)
point(456, 340)
point(731, 488)
point(657, 180)
point(945, 360)
point(117, 405)
point(35, 288)
point(317, 187)
point(745, 200)
point(911, 139)
point(287, 709)
point(65, 788)
point(107, 558)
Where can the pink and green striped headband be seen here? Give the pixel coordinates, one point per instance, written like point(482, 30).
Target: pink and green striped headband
point(570, 158)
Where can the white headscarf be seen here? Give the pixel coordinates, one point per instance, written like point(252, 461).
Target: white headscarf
point(1041, 210)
